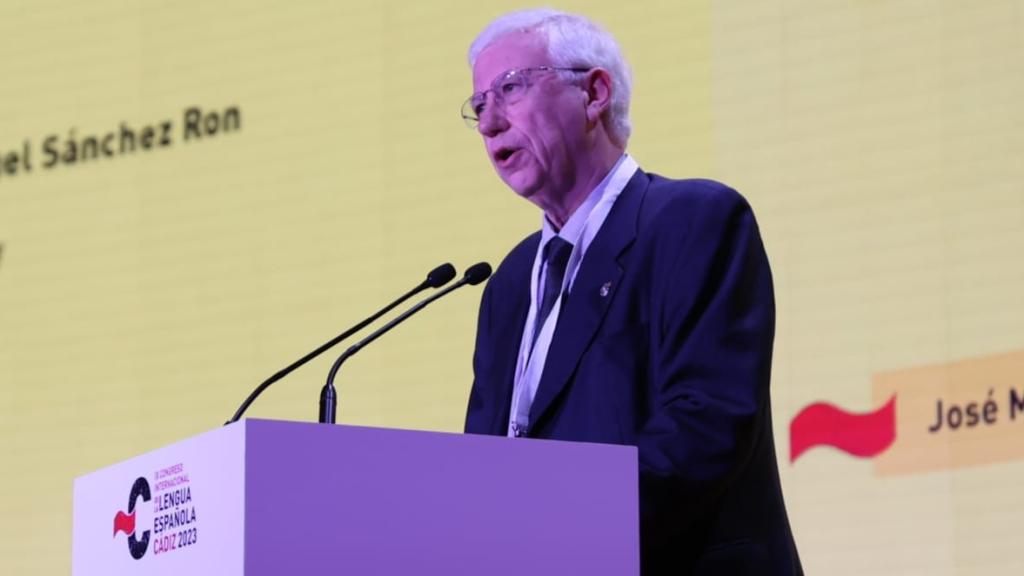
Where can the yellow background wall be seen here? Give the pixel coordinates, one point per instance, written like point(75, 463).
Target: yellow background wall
point(143, 296)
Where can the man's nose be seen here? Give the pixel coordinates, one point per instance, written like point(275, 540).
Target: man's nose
point(492, 119)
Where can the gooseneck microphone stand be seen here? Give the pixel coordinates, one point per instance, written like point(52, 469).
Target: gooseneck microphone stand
point(329, 396)
point(436, 278)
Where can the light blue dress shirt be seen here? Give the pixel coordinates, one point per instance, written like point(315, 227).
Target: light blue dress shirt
point(579, 230)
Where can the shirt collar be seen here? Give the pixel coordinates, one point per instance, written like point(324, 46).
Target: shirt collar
point(574, 226)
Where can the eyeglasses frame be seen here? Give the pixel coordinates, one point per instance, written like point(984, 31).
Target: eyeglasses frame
point(472, 120)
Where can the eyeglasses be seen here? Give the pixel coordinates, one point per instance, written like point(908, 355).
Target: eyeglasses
point(508, 88)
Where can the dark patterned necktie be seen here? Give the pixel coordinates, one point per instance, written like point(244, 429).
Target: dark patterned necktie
point(556, 256)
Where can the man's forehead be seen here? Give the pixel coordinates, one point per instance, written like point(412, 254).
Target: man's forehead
point(514, 50)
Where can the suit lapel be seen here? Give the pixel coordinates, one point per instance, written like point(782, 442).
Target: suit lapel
point(507, 339)
point(592, 292)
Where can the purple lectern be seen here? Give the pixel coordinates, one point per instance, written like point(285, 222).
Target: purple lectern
point(263, 497)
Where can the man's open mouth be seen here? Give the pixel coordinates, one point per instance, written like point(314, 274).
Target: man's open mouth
point(502, 155)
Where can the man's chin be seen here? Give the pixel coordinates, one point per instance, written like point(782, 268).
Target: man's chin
point(522, 184)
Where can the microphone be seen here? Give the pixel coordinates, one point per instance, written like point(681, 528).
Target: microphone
point(435, 279)
point(474, 275)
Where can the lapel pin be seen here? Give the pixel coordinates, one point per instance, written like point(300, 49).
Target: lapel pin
point(606, 289)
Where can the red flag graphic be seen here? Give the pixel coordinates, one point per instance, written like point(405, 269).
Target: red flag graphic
point(863, 435)
point(124, 523)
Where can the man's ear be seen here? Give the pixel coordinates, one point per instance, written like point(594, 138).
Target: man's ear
point(597, 83)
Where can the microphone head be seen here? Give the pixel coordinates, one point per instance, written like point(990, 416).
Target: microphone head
point(440, 276)
point(477, 273)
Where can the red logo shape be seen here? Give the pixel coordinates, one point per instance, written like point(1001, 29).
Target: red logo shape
point(864, 435)
point(124, 523)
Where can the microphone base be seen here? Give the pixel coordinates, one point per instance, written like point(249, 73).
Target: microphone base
point(328, 404)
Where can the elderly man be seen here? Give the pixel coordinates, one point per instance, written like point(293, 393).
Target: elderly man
point(641, 313)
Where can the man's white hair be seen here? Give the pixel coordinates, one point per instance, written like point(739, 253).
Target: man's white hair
point(572, 41)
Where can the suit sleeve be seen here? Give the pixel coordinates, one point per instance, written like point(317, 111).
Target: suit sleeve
point(711, 360)
point(477, 412)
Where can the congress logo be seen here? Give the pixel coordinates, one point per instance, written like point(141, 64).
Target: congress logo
point(125, 521)
point(863, 435)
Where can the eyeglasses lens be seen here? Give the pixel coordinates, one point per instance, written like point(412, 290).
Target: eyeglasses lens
point(507, 89)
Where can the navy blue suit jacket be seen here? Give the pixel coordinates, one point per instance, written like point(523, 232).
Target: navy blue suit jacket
point(675, 359)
